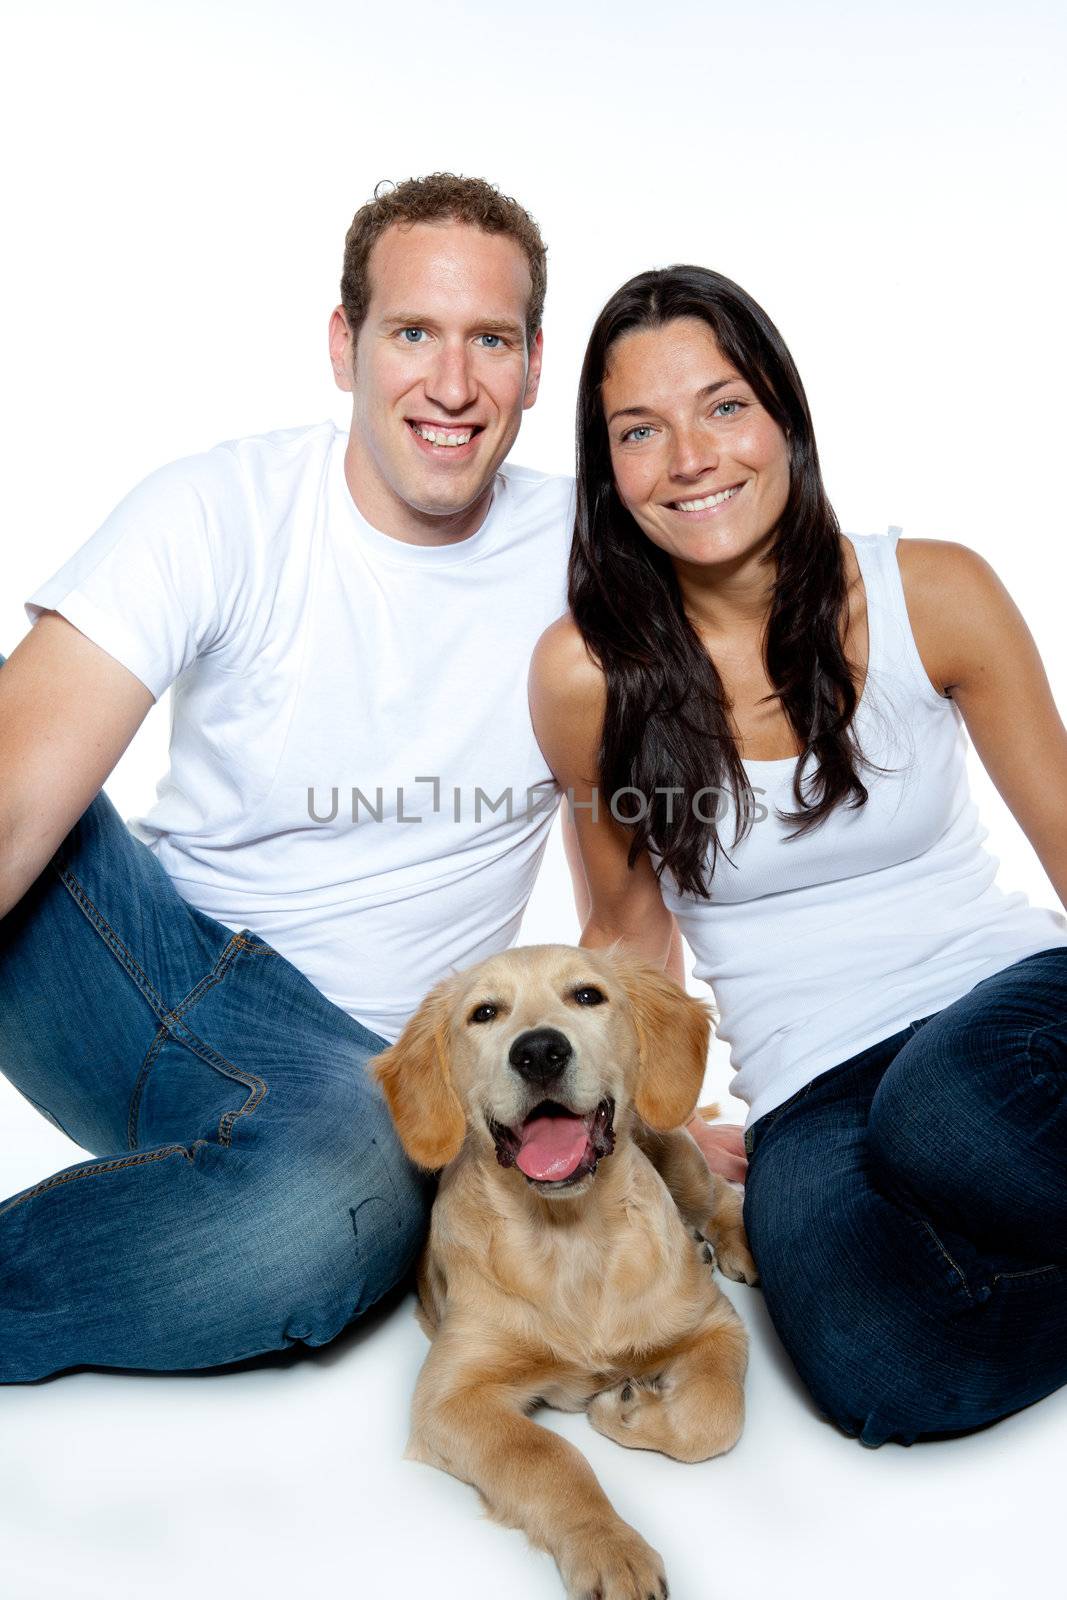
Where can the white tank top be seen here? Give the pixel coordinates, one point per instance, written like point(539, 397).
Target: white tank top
point(819, 946)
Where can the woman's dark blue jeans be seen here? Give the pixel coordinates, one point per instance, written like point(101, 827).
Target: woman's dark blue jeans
point(908, 1214)
point(249, 1190)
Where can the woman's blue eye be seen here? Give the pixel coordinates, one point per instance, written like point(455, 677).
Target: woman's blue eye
point(636, 434)
point(721, 407)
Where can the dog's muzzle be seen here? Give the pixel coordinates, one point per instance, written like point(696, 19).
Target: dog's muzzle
point(556, 1145)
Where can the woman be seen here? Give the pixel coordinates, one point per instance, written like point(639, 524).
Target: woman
point(762, 723)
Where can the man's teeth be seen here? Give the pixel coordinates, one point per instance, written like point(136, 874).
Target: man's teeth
point(711, 500)
point(438, 436)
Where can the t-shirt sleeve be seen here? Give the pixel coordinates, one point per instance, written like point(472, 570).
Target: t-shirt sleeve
point(146, 586)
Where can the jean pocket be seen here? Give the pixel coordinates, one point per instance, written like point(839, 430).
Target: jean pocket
point(759, 1130)
point(1028, 1279)
point(186, 1074)
point(954, 1262)
point(254, 944)
point(973, 1277)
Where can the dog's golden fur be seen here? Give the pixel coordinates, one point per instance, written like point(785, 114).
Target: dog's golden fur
point(596, 1296)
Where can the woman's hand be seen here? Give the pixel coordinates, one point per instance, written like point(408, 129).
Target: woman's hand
point(722, 1145)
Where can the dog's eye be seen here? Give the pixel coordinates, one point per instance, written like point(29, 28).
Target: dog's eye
point(484, 1013)
point(588, 996)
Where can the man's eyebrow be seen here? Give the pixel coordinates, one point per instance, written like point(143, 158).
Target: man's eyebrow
point(415, 319)
point(502, 325)
point(702, 394)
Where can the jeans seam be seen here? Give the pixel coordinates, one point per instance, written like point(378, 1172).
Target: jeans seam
point(1029, 1272)
point(112, 940)
point(139, 1087)
point(1045, 1027)
point(101, 1167)
point(257, 1086)
point(953, 1263)
point(770, 1118)
point(125, 959)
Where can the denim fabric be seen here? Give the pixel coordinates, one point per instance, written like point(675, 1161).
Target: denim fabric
point(908, 1213)
point(249, 1190)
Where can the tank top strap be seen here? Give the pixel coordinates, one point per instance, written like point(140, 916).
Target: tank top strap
point(892, 647)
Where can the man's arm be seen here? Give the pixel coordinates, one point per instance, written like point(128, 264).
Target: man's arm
point(68, 710)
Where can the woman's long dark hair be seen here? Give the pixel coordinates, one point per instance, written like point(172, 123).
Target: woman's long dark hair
point(667, 724)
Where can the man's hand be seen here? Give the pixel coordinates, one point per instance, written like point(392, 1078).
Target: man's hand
point(722, 1145)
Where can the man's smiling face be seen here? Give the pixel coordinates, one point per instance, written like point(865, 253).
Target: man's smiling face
point(440, 375)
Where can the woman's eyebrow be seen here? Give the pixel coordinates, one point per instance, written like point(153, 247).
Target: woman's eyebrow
point(702, 394)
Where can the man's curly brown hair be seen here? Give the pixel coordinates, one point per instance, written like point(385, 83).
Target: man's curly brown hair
point(442, 197)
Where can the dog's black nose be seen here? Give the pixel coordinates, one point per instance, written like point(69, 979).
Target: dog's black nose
point(540, 1055)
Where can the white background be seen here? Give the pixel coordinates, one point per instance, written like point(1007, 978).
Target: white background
point(887, 181)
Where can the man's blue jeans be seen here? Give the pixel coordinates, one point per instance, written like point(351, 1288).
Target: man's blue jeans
point(249, 1191)
point(908, 1213)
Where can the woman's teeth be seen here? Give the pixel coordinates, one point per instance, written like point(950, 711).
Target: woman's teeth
point(711, 500)
point(439, 436)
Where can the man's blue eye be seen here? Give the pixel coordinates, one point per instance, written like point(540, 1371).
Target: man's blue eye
point(493, 341)
point(413, 335)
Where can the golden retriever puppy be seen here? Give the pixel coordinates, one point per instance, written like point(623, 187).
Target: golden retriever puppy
point(562, 1266)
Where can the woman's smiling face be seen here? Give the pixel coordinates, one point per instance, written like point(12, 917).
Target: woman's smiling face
point(700, 464)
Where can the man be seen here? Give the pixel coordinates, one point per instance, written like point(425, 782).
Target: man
point(347, 625)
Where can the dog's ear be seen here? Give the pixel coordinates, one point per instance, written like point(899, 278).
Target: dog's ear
point(416, 1078)
point(673, 1033)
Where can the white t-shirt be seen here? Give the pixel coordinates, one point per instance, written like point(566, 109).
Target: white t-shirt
point(322, 672)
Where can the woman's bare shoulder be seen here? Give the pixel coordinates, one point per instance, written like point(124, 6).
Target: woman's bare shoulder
point(567, 700)
point(927, 565)
point(952, 593)
point(563, 669)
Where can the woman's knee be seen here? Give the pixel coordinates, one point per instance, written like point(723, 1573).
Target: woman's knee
point(998, 1048)
point(900, 1394)
point(969, 1124)
point(863, 1307)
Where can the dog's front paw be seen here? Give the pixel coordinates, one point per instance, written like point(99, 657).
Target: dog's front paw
point(734, 1258)
point(611, 1563)
point(731, 1255)
point(725, 1229)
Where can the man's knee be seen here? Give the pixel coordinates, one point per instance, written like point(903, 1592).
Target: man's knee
point(330, 1266)
point(327, 1228)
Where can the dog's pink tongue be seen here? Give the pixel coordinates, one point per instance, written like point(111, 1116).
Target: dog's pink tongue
point(552, 1147)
